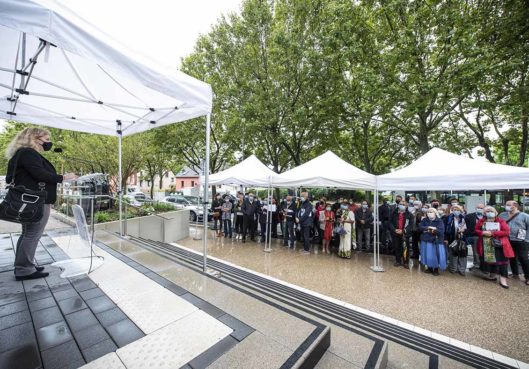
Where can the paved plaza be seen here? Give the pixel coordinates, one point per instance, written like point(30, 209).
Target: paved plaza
point(150, 305)
point(468, 308)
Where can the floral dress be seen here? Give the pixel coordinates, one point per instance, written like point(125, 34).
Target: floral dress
point(347, 238)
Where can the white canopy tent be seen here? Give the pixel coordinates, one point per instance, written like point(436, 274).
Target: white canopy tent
point(249, 172)
point(329, 170)
point(326, 170)
point(58, 70)
point(442, 170)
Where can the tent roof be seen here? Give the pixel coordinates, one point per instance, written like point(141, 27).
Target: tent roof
point(85, 81)
point(249, 172)
point(327, 170)
point(442, 170)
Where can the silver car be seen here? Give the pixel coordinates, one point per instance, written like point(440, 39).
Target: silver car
point(196, 212)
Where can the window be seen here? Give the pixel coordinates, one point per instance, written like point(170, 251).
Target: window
point(181, 201)
point(192, 183)
point(172, 179)
point(167, 175)
point(171, 199)
point(182, 183)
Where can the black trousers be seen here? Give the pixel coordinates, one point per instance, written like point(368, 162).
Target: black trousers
point(305, 230)
point(248, 226)
point(238, 224)
point(400, 242)
point(290, 236)
point(521, 250)
point(415, 240)
point(499, 269)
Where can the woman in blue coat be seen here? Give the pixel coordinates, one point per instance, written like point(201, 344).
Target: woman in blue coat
point(433, 253)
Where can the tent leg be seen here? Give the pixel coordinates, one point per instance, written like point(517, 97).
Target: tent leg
point(268, 246)
point(206, 195)
point(120, 177)
point(376, 247)
point(485, 197)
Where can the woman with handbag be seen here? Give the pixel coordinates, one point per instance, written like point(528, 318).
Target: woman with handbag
point(457, 247)
point(433, 254)
point(345, 229)
point(493, 245)
point(28, 168)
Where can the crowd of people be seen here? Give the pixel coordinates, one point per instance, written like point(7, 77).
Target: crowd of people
point(439, 236)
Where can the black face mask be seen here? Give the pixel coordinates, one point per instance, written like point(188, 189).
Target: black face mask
point(397, 201)
point(47, 146)
point(435, 206)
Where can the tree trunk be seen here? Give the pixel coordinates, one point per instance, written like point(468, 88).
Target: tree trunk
point(152, 187)
point(525, 137)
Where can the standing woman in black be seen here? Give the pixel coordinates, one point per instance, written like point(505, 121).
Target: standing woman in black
point(34, 172)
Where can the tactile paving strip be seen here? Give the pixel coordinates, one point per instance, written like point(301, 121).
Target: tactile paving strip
point(175, 345)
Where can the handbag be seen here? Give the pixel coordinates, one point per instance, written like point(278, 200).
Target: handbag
point(496, 243)
point(340, 230)
point(22, 205)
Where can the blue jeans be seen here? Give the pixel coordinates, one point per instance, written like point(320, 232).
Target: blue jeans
point(227, 227)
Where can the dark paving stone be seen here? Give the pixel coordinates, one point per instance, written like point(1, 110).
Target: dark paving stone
point(17, 336)
point(23, 357)
point(72, 305)
point(41, 304)
point(142, 269)
point(98, 350)
point(9, 298)
point(100, 304)
point(240, 330)
point(64, 355)
point(124, 332)
point(9, 321)
point(90, 336)
point(90, 294)
point(53, 335)
point(110, 317)
point(81, 320)
point(66, 285)
point(203, 360)
point(83, 284)
point(177, 290)
point(38, 295)
point(44, 317)
point(203, 305)
point(12, 308)
point(65, 294)
point(34, 285)
point(187, 366)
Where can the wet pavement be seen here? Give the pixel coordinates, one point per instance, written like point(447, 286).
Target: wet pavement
point(468, 308)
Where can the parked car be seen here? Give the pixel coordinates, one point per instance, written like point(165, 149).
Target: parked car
point(137, 198)
point(196, 212)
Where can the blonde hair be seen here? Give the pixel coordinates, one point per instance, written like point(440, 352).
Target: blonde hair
point(26, 138)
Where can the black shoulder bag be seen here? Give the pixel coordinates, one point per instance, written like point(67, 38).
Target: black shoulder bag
point(22, 205)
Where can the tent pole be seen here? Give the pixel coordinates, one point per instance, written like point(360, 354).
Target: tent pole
point(376, 247)
point(523, 200)
point(485, 197)
point(206, 200)
point(120, 177)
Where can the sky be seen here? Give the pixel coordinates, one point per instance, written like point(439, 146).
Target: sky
point(163, 30)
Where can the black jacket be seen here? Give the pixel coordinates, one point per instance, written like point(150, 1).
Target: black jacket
point(32, 169)
point(305, 214)
point(471, 220)
point(384, 211)
point(290, 216)
point(408, 221)
point(366, 216)
point(249, 208)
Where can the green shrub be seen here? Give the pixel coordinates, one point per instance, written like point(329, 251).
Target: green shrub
point(102, 217)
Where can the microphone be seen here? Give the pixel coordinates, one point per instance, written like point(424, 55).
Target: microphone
point(58, 150)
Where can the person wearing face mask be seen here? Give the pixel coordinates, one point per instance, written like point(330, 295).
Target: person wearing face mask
point(519, 237)
point(384, 212)
point(216, 208)
point(433, 253)
point(326, 220)
point(400, 226)
point(435, 204)
point(415, 233)
point(346, 219)
point(494, 246)
point(304, 219)
point(226, 217)
point(455, 228)
point(289, 214)
point(263, 214)
point(336, 206)
point(471, 237)
point(249, 211)
point(34, 172)
point(364, 220)
point(238, 216)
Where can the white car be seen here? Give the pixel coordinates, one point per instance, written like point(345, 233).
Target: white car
point(196, 212)
point(137, 198)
